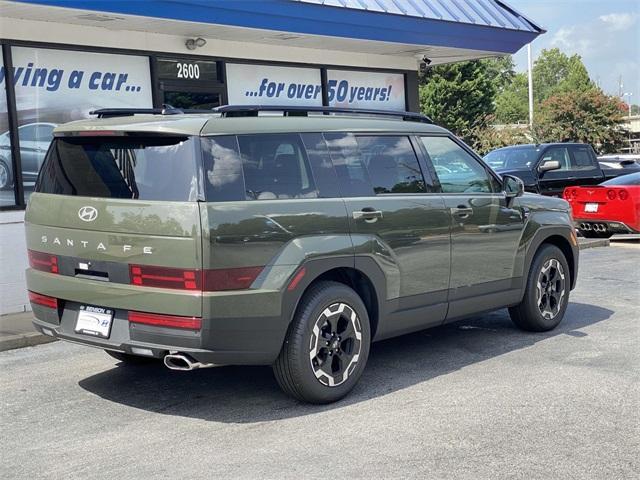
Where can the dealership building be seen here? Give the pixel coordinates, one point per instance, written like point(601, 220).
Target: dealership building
point(61, 59)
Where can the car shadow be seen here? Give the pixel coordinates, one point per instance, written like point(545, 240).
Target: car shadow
point(250, 394)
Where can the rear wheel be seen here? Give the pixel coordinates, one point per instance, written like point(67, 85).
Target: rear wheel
point(129, 359)
point(327, 345)
point(547, 292)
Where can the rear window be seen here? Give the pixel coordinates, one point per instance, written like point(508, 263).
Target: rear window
point(144, 168)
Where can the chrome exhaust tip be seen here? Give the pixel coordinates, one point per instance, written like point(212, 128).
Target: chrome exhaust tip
point(179, 361)
point(585, 226)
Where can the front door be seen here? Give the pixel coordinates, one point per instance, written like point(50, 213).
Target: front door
point(485, 230)
point(396, 220)
point(553, 182)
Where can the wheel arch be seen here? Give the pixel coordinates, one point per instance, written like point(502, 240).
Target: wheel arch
point(565, 240)
point(365, 278)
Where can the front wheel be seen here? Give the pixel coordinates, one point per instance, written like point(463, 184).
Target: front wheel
point(547, 292)
point(327, 345)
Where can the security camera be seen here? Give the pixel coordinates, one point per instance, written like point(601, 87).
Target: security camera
point(426, 60)
point(193, 43)
point(424, 64)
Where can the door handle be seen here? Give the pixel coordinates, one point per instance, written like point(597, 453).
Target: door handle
point(367, 214)
point(462, 211)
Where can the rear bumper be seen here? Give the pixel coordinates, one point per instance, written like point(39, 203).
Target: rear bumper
point(610, 226)
point(246, 331)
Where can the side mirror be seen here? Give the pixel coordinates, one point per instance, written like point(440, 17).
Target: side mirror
point(547, 165)
point(512, 186)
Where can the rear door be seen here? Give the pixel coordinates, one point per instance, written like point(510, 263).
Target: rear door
point(485, 230)
point(584, 165)
point(396, 219)
point(105, 204)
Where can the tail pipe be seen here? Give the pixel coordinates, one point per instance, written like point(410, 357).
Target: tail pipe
point(180, 361)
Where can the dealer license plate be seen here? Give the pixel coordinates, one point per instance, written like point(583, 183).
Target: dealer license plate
point(94, 321)
point(590, 207)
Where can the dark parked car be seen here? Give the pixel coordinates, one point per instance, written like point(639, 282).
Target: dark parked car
point(34, 142)
point(549, 168)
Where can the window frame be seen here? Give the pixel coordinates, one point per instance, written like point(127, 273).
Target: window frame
point(491, 174)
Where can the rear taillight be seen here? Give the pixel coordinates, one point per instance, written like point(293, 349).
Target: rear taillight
point(197, 280)
point(611, 194)
point(570, 193)
point(43, 300)
point(623, 194)
point(163, 277)
point(44, 262)
point(230, 278)
point(171, 321)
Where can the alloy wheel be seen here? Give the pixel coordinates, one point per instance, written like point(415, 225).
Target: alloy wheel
point(550, 289)
point(336, 341)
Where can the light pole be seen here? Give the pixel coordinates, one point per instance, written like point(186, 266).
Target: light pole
point(628, 94)
point(530, 79)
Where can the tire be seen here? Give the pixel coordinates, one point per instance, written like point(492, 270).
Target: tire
point(543, 310)
point(328, 312)
point(129, 359)
point(5, 176)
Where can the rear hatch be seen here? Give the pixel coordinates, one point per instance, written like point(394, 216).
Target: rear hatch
point(114, 222)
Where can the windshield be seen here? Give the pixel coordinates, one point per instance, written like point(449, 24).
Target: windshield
point(144, 168)
point(631, 179)
point(513, 158)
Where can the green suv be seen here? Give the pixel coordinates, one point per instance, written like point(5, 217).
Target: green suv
point(287, 237)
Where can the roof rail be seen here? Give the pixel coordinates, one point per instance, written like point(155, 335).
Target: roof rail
point(253, 111)
point(303, 111)
point(126, 112)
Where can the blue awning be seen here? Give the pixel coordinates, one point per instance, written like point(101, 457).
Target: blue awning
point(489, 26)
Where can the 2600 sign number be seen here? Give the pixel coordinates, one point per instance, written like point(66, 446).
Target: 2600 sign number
point(189, 71)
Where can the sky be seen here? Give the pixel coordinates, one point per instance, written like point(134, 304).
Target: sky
point(606, 34)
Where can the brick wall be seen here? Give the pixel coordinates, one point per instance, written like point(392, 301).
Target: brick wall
point(13, 262)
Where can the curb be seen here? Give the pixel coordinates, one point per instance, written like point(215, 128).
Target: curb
point(584, 243)
point(30, 339)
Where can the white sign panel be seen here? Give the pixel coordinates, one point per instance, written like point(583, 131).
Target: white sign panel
point(379, 91)
point(271, 85)
point(68, 84)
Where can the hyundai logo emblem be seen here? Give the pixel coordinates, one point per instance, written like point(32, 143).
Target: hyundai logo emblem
point(88, 214)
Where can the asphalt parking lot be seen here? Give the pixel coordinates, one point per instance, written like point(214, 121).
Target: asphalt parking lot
point(475, 399)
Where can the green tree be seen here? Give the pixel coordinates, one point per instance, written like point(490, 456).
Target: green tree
point(555, 72)
point(458, 96)
point(582, 116)
point(512, 104)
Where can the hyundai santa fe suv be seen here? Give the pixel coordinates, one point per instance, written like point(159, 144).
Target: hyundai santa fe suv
point(289, 237)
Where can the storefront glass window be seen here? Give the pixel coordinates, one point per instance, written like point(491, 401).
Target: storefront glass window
point(7, 197)
point(58, 86)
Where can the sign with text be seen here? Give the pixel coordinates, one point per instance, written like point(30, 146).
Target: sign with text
point(61, 85)
point(190, 70)
point(379, 91)
point(271, 85)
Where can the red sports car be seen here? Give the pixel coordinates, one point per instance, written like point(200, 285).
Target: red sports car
point(603, 210)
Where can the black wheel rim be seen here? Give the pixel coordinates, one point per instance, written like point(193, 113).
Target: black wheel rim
point(336, 341)
point(550, 290)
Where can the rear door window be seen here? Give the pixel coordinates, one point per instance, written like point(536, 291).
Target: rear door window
point(276, 167)
point(144, 168)
point(582, 159)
